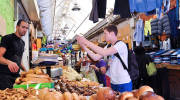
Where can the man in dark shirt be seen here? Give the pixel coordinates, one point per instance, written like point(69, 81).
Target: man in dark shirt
point(11, 51)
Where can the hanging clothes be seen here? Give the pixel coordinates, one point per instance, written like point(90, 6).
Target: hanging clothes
point(166, 4)
point(101, 8)
point(139, 31)
point(164, 24)
point(165, 44)
point(121, 7)
point(158, 26)
point(98, 10)
point(144, 5)
point(94, 12)
point(154, 26)
point(147, 27)
point(173, 22)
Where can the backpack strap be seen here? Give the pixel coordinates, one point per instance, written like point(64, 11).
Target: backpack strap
point(119, 57)
point(124, 66)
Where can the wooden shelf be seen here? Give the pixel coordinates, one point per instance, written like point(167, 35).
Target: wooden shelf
point(168, 66)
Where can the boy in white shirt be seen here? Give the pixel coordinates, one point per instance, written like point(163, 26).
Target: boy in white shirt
point(120, 79)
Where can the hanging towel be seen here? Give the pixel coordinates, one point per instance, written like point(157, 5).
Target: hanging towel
point(121, 7)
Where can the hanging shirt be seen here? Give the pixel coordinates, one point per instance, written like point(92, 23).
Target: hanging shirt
point(121, 7)
point(98, 10)
point(144, 5)
point(166, 45)
point(147, 27)
point(139, 31)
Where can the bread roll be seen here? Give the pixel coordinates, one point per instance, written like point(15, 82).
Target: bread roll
point(75, 96)
point(31, 71)
point(125, 95)
point(105, 93)
point(93, 97)
point(148, 95)
point(67, 96)
point(82, 97)
point(131, 98)
point(143, 89)
point(42, 93)
point(37, 76)
point(38, 71)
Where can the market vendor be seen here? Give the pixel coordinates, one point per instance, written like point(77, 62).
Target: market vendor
point(11, 52)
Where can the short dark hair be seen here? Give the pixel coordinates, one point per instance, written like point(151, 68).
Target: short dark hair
point(21, 20)
point(111, 28)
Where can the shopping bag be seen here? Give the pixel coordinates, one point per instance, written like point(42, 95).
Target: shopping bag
point(151, 69)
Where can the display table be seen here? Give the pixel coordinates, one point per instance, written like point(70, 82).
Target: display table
point(173, 72)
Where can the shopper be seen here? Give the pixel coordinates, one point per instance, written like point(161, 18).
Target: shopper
point(100, 69)
point(11, 51)
point(120, 79)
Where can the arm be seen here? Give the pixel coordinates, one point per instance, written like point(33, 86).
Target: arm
point(95, 48)
point(13, 67)
point(94, 56)
point(102, 69)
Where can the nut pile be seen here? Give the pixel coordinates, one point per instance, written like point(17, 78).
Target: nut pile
point(81, 88)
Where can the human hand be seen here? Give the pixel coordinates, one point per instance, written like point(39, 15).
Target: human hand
point(80, 39)
point(92, 66)
point(13, 67)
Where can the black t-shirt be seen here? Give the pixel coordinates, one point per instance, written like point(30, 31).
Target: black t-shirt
point(14, 51)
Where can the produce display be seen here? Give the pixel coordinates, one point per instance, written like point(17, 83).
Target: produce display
point(33, 76)
point(143, 93)
point(71, 74)
point(85, 88)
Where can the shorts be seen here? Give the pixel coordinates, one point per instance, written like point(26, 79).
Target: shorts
point(122, 87)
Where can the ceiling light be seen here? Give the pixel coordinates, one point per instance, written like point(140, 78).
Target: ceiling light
point(76, 7)
point(66, 27)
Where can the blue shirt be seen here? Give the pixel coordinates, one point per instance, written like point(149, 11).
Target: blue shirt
point(101, 77)
point(139, 31)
